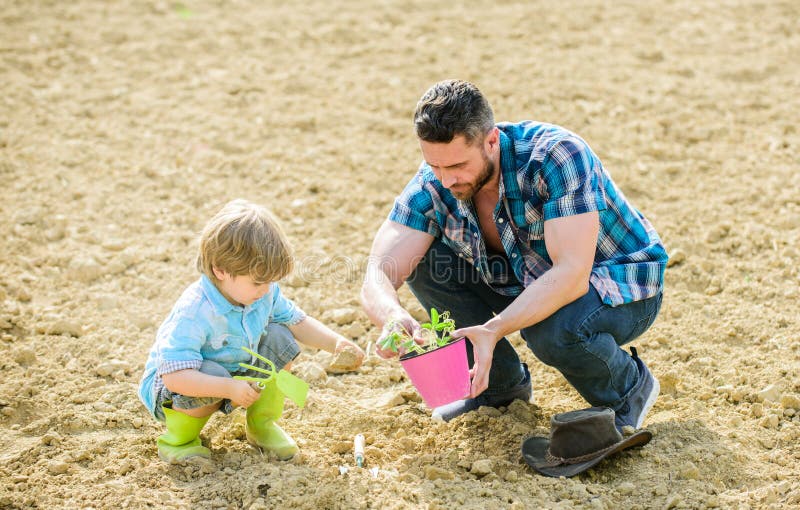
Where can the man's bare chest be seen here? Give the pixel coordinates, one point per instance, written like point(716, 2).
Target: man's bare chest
point(484, 208)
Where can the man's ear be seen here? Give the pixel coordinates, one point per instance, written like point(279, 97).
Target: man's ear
point(492, 140)
point(219, 274)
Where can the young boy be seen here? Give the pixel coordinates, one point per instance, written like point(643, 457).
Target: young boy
point(236, 303)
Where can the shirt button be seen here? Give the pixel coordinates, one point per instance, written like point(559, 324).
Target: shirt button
point(513, 255)
point(500, 220)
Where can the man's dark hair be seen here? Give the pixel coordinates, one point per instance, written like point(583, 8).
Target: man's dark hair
point(451, 108)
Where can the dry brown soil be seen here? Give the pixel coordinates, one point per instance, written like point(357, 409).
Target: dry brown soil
point(125, 125)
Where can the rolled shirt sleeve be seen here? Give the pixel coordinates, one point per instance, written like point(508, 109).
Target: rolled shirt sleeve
point(574, 180)
point(167, 367)
point(414, 207)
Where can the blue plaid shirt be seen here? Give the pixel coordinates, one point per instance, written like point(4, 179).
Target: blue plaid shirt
point(546, 172)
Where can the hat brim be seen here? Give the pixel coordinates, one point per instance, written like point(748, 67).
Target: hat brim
point(534, 451)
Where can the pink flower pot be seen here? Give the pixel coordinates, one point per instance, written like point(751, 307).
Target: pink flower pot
point(441, 376)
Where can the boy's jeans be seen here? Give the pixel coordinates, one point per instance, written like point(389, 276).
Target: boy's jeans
point(581, 339)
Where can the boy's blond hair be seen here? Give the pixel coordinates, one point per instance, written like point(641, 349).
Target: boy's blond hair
point(244, 238)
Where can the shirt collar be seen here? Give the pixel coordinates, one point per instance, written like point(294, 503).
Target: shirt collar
point(218, 301)
point(509, 187)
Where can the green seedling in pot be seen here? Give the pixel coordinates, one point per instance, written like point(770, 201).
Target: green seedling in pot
point(436, 333)
point(439, 328)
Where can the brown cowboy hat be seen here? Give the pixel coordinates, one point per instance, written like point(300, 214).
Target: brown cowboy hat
point(578, 440)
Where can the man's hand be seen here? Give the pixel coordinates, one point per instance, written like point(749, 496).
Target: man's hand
point(241, 393)
point(398, 323)
point(483, 341)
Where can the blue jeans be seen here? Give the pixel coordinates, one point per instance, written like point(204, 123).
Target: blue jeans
point(581, 340)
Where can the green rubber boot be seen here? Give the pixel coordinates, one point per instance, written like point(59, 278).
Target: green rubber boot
point(182, 439)
point(261, 429)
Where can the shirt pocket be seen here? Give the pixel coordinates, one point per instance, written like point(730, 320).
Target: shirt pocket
point(226, 341)
point(225, 348)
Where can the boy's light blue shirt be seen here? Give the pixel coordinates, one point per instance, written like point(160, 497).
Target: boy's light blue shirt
point(203, 325)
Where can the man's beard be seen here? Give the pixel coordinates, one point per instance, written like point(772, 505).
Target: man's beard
point(483, 177)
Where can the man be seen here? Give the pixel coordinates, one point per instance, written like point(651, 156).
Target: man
point(517, 227)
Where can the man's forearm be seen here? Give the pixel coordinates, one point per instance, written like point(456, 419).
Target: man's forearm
point(557, 287)
point(379, 296)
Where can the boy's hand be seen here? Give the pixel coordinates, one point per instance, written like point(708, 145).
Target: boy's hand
point(242, 394)
point(346, 357)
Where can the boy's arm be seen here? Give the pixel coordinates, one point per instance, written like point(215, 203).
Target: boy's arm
point(194, 383)
point(313, 333)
